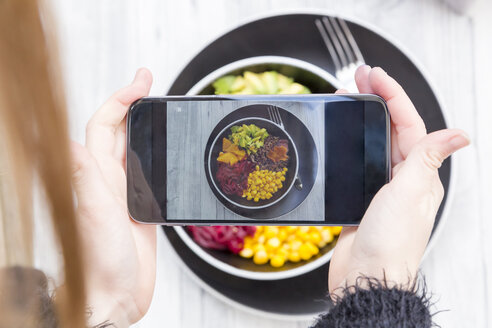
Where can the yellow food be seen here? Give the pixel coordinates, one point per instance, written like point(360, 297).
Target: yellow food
point(230, 153)
point(280, 244)
point(262, 184)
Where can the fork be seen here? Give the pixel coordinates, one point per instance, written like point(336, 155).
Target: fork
point(343, 49)
point(274, 115)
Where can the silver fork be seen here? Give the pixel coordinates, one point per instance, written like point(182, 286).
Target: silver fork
point(274, 115)
point(343, 49)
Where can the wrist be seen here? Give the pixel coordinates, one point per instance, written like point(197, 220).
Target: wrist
point(400, 277)
point(106, 309)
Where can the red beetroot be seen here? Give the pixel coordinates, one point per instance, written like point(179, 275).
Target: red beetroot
point(222, 237)
point(233, 179)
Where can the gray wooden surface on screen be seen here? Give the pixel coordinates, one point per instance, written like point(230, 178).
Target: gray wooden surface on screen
point(189, 125)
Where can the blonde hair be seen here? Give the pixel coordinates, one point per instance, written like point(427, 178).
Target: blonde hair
point(34, 146)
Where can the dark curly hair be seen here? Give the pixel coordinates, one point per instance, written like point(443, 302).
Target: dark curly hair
point(374, 303)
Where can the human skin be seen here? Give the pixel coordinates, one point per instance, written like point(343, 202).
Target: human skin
point(119, 254)
point(391, 239)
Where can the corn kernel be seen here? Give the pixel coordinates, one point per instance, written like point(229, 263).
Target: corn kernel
point(294, 257)
point(273, 243)
point(295, 245)
point(270, 231)
point(327, 236)
point(277, 261)
point(246, 253)
point(283, 252)
point(312, 248)
point(305, 252)
point(314, 237)
point(291, 229)
point(260, 257)
point(336, 230)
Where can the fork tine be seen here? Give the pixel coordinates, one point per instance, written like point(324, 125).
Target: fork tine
point(269, 113)
point(328, 43)
point(336, 42)
point(342, 36)
point(351, 40)
point(279, 117)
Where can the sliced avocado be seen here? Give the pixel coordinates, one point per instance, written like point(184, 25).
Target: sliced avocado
point(238, 84)
point(283, 82)
point(294, 88)
point(270, 81)
point(223, 85)
point(253, 80)
point(246, 91)
point(306, 90)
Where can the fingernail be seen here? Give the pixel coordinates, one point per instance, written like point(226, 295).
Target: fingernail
point(460, 141)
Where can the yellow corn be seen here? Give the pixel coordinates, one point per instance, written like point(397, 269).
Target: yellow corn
point(277, 261)
point(262, 184)
point(276, 244)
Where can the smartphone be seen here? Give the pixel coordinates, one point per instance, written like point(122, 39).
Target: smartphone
point(256, 160)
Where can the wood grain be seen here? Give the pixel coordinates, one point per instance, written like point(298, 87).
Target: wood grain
point(189, 125)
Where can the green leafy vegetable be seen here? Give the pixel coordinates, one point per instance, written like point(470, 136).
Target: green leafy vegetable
point(250, 137)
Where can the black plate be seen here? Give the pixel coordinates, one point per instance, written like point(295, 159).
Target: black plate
point(307, 170)
point(295, 35)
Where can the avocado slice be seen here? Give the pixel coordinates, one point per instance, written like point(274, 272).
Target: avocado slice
point(238, 84)
point(294, 88)
point(283, 82)
point(223, 85)
point(253, 80)
point(270, 80)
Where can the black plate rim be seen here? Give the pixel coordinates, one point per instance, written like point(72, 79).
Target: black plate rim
point(390, 39)
point(214, 142)
point(234, 303)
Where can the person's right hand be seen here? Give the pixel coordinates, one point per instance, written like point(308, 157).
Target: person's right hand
point(391, 239)
point(119, 254)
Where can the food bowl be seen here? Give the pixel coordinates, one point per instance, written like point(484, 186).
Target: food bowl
point(318, 81)
point(292, 166)
point(315, 78)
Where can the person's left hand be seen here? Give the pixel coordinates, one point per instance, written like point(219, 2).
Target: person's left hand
point(119, 254)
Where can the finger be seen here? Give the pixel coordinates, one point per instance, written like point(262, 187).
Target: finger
point(101, 127)
point(408, 124)
point(362, 79)
point(420, 170)
point(341, 91)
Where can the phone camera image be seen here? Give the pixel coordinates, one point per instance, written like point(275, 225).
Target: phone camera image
point(315, 159)
point(252, 161)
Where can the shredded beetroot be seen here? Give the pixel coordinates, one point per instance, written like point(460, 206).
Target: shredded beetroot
point(233, 179)
point(222, 237)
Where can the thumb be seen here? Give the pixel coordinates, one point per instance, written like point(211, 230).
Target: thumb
point(87, 179)
point(429, 153)
point(420, 170)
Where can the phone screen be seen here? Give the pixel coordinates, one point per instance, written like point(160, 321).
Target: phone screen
point(316, 159)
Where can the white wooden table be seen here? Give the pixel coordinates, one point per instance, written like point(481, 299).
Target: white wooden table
point(104, 42)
